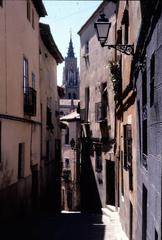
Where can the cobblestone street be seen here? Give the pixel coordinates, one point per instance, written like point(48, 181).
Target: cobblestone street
point(66, 226)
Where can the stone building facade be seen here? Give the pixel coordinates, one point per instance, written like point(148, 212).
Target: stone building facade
point(148, 81)
point(71, 74)
point(128, 26)
point(138, 151)
point(97, 115)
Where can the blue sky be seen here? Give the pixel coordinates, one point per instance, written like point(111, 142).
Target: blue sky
point(66, 16)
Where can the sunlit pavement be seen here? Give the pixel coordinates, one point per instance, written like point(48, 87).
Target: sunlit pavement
point(73, 226)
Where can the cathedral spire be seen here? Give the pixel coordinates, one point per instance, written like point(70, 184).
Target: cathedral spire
point(70, 49)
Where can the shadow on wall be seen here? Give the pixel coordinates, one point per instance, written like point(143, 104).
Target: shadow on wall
point(90, 199)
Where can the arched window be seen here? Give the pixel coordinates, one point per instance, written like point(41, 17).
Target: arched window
point(69, 95)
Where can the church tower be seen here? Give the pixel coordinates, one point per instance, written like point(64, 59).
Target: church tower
point(71, 74)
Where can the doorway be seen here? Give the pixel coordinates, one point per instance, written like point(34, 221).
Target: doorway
point(144, 212)
point(35, 187)
point(110, 183)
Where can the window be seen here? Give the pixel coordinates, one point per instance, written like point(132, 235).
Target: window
point(156, 235)
point(33, 22)
point(122, 173)
point(128, 153)
point(33, 81)
point(25, 74)
point(49, 118)
point(67, 163)
point(144, 212)
point(28, 10)
point(125, 26)
point(67, 136)
point(98, 112)
point(98, 158)
point(1, 3)
point(127, 146)
point(87, 98)
point(87, 48)
point(152, 79)
point(69, 95)
point(74, 96)
point(21, 160)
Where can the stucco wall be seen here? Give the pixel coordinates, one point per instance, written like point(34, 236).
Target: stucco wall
point(94, 70)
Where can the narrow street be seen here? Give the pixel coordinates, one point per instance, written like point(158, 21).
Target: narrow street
point(66, 226)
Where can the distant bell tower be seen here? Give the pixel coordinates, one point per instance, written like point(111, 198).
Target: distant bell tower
point(71, 74)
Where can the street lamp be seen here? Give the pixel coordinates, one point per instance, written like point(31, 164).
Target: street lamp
point(102, 26)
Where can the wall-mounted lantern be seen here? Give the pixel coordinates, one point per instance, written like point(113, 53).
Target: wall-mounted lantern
point(102, 26)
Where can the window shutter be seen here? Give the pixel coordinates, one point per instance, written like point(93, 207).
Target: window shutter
point(127, 146)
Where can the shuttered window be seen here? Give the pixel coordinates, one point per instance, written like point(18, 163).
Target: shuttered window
point(127, 146)
point(128, 152)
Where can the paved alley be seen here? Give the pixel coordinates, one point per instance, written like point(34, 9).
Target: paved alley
point(73, 226)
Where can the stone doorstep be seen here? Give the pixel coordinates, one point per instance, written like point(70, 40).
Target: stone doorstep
point(110, 211)
point(114, 220)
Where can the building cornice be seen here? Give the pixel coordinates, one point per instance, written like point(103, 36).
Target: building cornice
point(18, 119)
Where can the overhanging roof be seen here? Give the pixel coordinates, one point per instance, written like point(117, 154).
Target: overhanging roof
point(40, 8)
point(73, 116)
point(96, 12)
point(49, 42)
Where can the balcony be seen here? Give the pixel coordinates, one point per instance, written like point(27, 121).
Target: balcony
point(30, 101)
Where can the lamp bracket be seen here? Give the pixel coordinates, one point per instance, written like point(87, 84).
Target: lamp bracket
point(124, 48)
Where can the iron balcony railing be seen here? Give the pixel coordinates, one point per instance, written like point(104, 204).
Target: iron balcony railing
point(30, 101)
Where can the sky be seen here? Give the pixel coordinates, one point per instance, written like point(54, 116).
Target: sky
point(65, 17)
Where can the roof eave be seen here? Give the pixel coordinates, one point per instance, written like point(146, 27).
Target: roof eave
point(95, 13)
point(40, 8)
point(49, 42)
